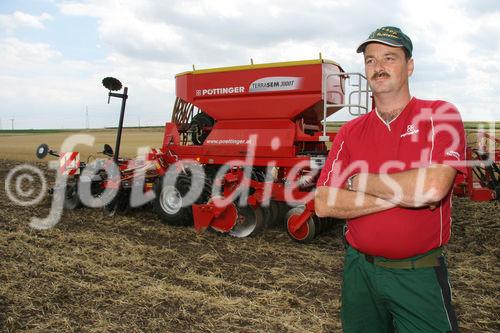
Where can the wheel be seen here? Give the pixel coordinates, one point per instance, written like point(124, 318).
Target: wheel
point(169, 201)
point(259, 175)
point(321, 224)
point(110, 208)
point(71, 199)
point(307, 232)
point(266, 216)
point(274, 210)
point(42, 151)
point(168, 204)
point(198, 126)
point(119, 205)
point(250, 222)
point(283, 209)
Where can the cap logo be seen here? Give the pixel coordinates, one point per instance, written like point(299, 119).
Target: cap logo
point(384, 32)
point(392, 36)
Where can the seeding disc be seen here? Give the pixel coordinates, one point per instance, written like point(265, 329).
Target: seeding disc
point(226, 221)
point(249, 222)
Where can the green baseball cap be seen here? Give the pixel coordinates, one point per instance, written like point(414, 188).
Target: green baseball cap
point(391, 36)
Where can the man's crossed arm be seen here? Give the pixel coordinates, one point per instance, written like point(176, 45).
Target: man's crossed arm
point(373, 193)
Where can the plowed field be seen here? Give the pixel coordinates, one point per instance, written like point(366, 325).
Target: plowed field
point(92, 273)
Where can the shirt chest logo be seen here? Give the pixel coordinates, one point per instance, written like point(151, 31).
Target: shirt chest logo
point(410, 129)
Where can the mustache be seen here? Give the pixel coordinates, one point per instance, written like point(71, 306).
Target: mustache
point(380, 74)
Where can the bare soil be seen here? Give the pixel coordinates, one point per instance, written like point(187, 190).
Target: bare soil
point(93, 273)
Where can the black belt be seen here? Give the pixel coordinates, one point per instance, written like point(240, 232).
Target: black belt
point(428, 260)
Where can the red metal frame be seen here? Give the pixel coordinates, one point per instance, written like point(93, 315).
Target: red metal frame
point(271, 126)
point(470, 186)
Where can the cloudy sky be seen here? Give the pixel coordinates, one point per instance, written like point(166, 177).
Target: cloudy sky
point(53, 54)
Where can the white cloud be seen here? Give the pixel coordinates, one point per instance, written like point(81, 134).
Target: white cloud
point(206, 32)
point(458, 61)
point(18, 56)
point(147, 42)
point(45, 90)
point(19, 20)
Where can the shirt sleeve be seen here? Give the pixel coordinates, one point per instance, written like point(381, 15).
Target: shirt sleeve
point(448, 137)
point(333, 174)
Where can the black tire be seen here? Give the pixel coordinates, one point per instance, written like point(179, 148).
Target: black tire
point(274, 210)
point(266, 216)
point(168, 201)
point(119, 205)
point(71, 198)
point(198, 127)
point(320, 225)
point(283, 209)
point(259, 174)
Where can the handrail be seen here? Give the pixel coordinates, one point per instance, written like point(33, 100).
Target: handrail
point(362, 89)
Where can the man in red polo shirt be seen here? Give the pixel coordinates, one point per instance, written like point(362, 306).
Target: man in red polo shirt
point(390, 174)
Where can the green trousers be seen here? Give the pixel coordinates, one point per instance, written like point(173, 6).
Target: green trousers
point(378, 299)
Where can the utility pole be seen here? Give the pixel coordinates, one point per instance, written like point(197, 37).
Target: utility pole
point(86, 116)
point(139, 119)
